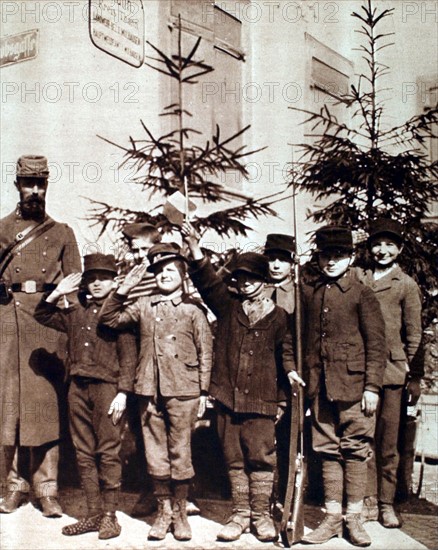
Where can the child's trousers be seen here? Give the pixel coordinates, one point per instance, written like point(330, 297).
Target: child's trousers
point(96, 440)
point(167, 424)
point(340, 430)
point(248, 440)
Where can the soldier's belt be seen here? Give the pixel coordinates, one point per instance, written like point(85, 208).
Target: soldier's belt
point(31, 287)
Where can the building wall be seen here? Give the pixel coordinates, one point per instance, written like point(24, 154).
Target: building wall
point(57, 103)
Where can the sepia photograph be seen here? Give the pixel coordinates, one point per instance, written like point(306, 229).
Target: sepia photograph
point(218, 275)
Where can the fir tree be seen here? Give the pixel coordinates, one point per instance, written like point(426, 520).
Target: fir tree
point(173, 162)
point(362, 170)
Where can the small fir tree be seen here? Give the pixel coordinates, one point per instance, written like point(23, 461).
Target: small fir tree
point(172, 162)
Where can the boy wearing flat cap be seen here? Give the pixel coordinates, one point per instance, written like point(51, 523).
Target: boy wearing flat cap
point(400, 301)
point(344, 343)
point(280, 251)
point(251, 333)
point(102, 366)
point(172, 378)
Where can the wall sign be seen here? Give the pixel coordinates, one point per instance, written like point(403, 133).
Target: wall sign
point(18, 47)
point(117, 28)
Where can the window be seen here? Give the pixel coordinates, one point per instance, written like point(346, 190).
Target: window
point(328, 74)
point(216, 99)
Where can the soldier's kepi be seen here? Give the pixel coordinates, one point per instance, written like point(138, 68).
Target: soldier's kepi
point(35, 253)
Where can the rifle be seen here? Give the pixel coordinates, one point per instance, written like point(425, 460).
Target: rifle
point(292, 521)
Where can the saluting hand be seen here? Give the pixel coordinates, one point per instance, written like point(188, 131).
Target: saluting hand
point(66, 286)
point(369, 403)
point(132, 279)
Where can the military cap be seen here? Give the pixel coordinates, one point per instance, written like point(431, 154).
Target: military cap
point(278, 242)
point(164, 252)
point(100, 262)
point(252, 263)
point(132, 230)
point(385, 226)
point(334, 237)
point(32, 166)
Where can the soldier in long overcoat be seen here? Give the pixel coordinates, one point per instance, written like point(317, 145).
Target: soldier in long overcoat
point(31, 356)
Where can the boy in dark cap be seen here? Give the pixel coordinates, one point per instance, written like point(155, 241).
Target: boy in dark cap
point(251, 333)
point(344, 343)
point(102, 366)
point(280, 251)
point(172, 378)
point(400, 301)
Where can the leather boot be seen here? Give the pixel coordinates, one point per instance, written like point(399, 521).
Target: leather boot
point(260, 488)
point(109, 526)
point(163, 520)
point(181, 527)
point(370, 510)
point(12, 501)
point(50, 507)
point(356, 532)
point(239, 521)
point(388, 516)
point(331, 526)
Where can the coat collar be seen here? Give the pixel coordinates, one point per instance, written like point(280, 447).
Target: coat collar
point(175, 300)
point(384, 282)
point(343, 283)
point(285, 286)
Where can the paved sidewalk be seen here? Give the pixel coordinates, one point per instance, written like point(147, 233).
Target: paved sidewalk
point(27, 529)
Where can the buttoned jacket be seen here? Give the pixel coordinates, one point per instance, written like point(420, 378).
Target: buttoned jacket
point(344, 338)
point(175, 343)
point(32, 356)
point(248, 358)
point(400, 301)
point(95, 351)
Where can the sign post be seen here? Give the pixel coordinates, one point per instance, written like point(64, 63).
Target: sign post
point(117, 28)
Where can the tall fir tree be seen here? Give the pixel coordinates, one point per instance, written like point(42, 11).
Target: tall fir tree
point(362, 170)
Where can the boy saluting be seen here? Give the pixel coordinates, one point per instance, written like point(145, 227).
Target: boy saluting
point(252, 332)
point(102, 366)
point(172, 378)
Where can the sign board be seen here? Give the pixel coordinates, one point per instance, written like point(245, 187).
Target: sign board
point(117, 28)
point(18, 47)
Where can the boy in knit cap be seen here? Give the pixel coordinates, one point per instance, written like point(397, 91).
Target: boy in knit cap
point(400, 300)
point(344, 343)
point(172, 378)
point(252, 332)
point(102, 366)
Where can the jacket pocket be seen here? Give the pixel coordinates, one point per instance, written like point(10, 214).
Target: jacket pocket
point(352, 355)
point(188, 355)
point(397, 355)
